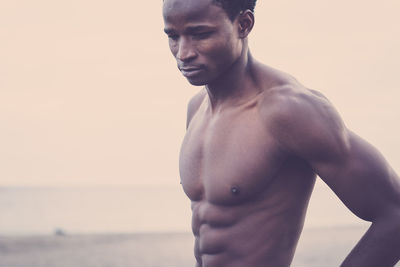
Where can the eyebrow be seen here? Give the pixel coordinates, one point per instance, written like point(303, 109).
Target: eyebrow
point(198, 28)
point(191, 29)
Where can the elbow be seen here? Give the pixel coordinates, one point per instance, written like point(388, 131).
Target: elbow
point(389, 221)
point(395, 220)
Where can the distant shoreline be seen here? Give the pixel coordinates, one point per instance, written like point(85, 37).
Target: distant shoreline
point(317, 247)
point(343, 227)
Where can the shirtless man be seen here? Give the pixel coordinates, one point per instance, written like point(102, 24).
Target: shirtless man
point(256, 140)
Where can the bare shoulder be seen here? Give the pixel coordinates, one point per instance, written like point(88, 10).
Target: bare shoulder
point(303, 120)
point(293, 102)
point(194, 104)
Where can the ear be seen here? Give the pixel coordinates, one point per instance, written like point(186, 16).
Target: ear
point(245, 23)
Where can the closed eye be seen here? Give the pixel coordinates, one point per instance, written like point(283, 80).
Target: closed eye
point(202, 35)
point(171, 34)
point(173, 37)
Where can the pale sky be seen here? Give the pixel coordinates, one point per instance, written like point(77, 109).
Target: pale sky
point(90, 94)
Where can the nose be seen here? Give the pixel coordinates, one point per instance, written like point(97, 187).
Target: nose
point(186, 52)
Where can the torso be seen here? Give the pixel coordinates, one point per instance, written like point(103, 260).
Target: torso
point(249, 197)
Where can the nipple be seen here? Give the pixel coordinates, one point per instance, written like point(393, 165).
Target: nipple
point(235, 190)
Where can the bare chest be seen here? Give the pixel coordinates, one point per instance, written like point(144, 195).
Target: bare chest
point(229, 159)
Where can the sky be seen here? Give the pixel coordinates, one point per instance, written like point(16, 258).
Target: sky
point(90, 93)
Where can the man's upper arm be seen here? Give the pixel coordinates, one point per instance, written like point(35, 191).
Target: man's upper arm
point(308, 126)
point(362, 179)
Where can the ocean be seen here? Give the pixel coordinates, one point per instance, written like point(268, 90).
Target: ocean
point(128, 209)
point(141, 226)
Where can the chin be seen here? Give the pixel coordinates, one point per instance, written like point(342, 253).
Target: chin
point(196, 82)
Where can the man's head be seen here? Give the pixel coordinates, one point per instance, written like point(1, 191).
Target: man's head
point(207, 36)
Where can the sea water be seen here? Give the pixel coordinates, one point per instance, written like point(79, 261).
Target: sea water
point(41, 210)
point(122, 209)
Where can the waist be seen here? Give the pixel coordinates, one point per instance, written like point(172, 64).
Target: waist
point(249, 239)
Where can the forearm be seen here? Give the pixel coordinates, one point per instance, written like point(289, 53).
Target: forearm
point(380, 246)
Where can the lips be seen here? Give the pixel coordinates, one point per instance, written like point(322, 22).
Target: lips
point(190, 71)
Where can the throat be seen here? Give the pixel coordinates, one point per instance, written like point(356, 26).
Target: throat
point(238, 85)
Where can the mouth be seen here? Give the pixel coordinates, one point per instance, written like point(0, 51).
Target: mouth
point(190, 71)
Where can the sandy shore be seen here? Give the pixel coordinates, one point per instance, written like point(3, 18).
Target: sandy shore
point(318, 247)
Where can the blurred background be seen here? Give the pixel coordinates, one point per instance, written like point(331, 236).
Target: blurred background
point(92, 106)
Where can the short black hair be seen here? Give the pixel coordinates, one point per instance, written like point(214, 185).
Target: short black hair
point(233, 7)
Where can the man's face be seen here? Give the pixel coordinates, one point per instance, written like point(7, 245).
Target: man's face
point(202, 38)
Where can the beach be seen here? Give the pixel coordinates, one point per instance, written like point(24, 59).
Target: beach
point(317, 247)
point(110, 227)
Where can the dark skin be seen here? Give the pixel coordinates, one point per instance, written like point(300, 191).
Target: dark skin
point(256, 140)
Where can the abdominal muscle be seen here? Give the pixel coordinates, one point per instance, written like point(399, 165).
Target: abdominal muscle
point(259, 233)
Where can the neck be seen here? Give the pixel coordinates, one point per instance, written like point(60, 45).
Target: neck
point(236, 85)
